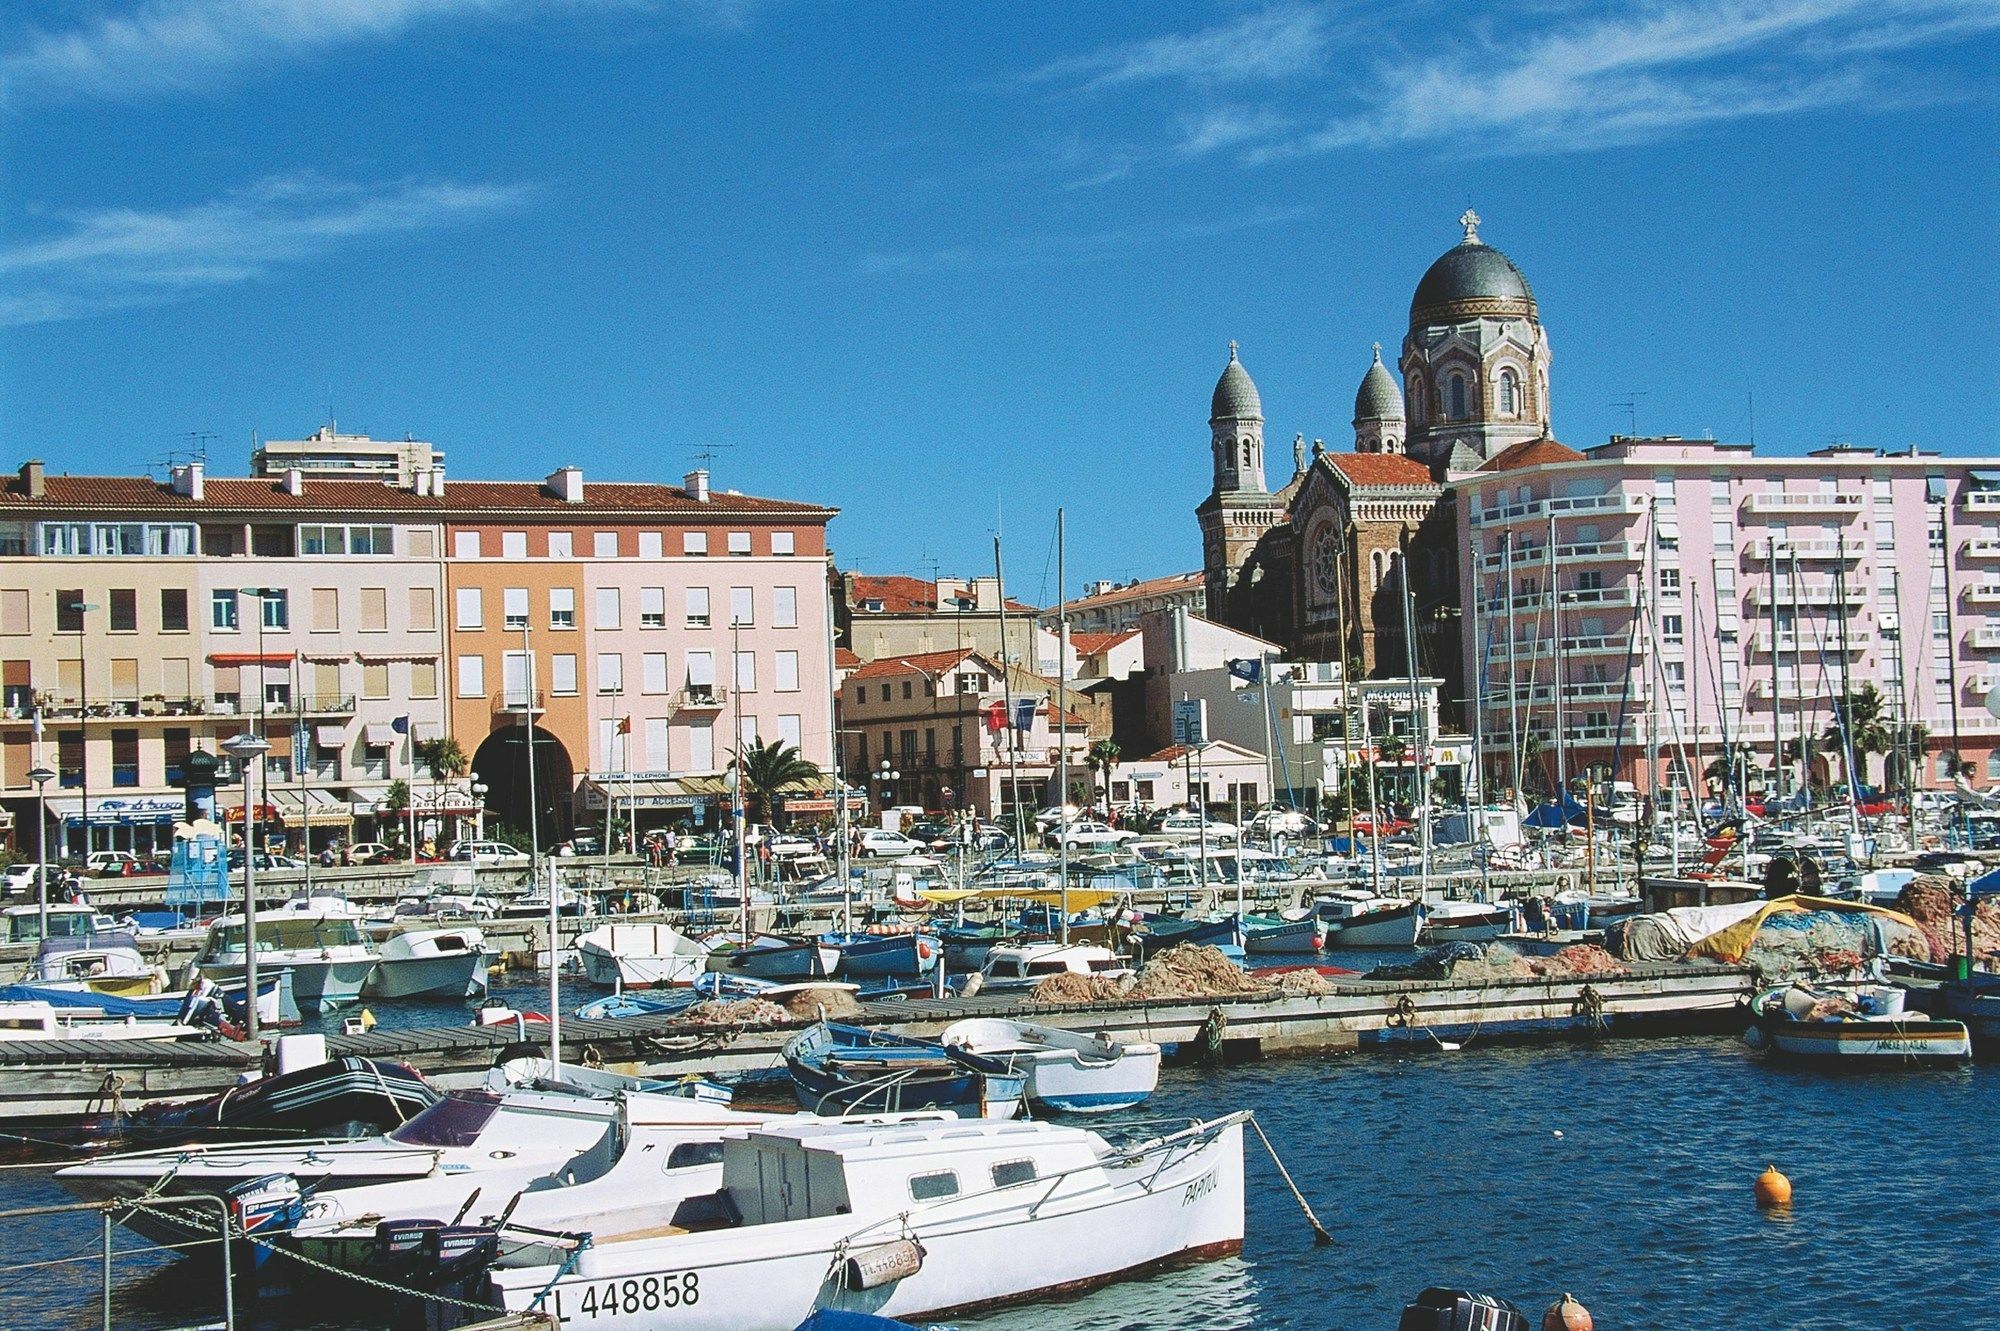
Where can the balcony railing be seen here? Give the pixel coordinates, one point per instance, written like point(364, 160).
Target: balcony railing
point(1533, 602)
point(1594, 552)
point(696, 699)
point(1980, 501)
point(1980, 547)
point(515, 702)
point(327, 704)
point(1809, 643)
point(1823, 593)
point(1983, 593)
point(1562, 506)
point(1804, 501)
point(1848, 551)
point(1984, 639)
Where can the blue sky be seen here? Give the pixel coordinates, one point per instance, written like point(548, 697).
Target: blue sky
point(929, 263)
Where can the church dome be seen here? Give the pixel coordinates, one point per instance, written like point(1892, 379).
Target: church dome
point(1235, 396)
point(1470, 272)
point(1379, 398)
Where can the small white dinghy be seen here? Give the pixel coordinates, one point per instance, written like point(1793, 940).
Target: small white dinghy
point(640, 956)
point(447, 963)
point(1066, 1070)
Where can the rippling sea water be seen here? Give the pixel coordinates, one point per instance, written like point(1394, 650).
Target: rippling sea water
point(1442, 1168)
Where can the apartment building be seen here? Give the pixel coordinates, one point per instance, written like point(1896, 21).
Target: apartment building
point(883, 615)
point(347, 619)
point(1655, 599)
point(1117, 607)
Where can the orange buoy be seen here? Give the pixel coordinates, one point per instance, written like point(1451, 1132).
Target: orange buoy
point(1773, 1188)
point(1566, 1314)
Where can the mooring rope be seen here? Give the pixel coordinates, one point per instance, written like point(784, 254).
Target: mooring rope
point(1321, 1238)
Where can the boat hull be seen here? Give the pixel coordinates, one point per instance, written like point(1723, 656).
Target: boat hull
point(316, 981)
point(1872, 1043)
point(1395, 927)
point(872, 956)
point(983, 1251)
point(1290, 936)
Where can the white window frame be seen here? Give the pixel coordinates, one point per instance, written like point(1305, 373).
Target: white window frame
point(784, 607)
point(743, 606)
point(562, 608)
point(608, 608)
point(514, 608)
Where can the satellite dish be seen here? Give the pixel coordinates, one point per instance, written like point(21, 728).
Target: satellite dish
point(1993, 700)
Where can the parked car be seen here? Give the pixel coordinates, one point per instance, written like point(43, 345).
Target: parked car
point(877, 841)
point(113, 864)
point(1282, 822)
point(935, 834)
point(1089, 834)
point(781, 843)
point(24, 879)
point(265, 861)
point(1050, 816)
point(372, 852)
point(487, 852)
point(1188, 827)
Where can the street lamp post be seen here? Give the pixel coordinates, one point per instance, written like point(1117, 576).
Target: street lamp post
point(40, 776)
point(479, 812)
point(79, 608)
point(249, 750)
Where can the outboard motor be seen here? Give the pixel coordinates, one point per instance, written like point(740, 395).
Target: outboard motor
point(1461, 1310)
point(400, 1246)
point(263, 1208)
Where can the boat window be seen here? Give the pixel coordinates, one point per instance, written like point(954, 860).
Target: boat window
point(455, 1120)
point(1009, 1172)
point(689, 1154)
point(930, 1187)
point(1106, 964)
point(1046, 968)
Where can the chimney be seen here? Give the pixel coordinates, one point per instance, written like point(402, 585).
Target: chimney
point(420, 482)
point(187, 480)
point(31, 479)
point(696, 484)
point(986, 594)
point(437, 482)
point(295, 481)
point(566, 483)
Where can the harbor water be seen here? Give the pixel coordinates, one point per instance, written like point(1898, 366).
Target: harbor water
point(1621, 1171)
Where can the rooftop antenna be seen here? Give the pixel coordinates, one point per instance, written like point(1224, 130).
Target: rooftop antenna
point(1629, 404)
point(1750, 396)
point(198, 444)
point(707, 454)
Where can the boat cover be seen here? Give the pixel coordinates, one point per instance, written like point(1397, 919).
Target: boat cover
point(1735, 941)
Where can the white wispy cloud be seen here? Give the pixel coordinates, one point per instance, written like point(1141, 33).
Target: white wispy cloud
point(1045, 250)
point(1273, 43)
point(110, 258)
point(157, 46)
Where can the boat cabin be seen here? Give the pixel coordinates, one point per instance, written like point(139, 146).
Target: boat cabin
point(24, 924)
point(1031, 963)
point(282, 934)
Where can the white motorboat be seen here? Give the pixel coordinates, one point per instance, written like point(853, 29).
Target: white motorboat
point(1356, 917)
point(1025, 965)
point(1065, 1070)
point(24, 923)
point(640, 956)
point(100, 963)
point(27, 1019)
point(447, 963)
point(1465, 922)
point(907, 1221)
point(327, 955)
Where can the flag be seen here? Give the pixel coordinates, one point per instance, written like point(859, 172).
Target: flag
point(1250, 672)
point(401, 725)
point(38, 725)
point(624, 725)
point(996, 716)
point(1024, 714)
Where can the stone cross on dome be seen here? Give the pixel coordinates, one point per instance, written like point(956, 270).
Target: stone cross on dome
point(1232, 348)
point(1470, 221)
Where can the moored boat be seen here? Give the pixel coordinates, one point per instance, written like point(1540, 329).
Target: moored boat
point(840, 1069)
point(1464, 922)
point(872, 955)
point(1025, 965)
point(772, 956)
point(327, 955)
point(447, 963)
point(1288, 931)
point(905, 1220)
point(1862, 1026)
point(1357, 918)
point(1066, 1070)
point(107, 962)
point(640, 956)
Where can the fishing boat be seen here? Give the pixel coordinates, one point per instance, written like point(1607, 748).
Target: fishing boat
point(98, 963)
point(1464, 922)
point(772, 956)
point(445, 963)
point(840, 1069)
point(640, 956)
point(1066, 1070)
point(30, 1019)
point(1356, 917)
point(967, 945)
point(872, 955)
point(1158, 933)
point(1299, 930)
point(1859, 1025)
point(327, 955)
point(904, 1220)
point(1025, 965)
point(1974, 1000)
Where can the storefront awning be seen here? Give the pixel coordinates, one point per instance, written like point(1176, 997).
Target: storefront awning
point(250, 658)
point(316, 807)
point(122, 810)
point(645, 793)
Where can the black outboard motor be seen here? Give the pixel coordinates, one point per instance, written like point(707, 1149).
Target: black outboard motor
point(400, 1246)
point(1461, 1310)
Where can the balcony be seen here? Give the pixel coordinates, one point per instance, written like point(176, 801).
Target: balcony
point(698, 699)
point(55, 707)
point(1985, 639)
point(520, 702)
point(1980, 501)
point(326, 704)
point(1760, 642)
point(1538, 602)
point(1848, 551)
point(1560, 507)
point(1980, 547)
point(1830, 503)
point(1809, 594)
point(1594, 552)
point(1983, 593)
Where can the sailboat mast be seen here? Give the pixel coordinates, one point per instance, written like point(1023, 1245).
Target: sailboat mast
point(1060, 724)
point(1513, 661)
point(1777, 694)
point(839, 781)
point(1007, 696)
point(1556, 678)
point(1419, 730)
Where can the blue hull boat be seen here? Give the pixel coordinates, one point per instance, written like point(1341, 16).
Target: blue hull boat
point(773, 957)
point(870, 956)
point(1156, 936)
point(839, 1069)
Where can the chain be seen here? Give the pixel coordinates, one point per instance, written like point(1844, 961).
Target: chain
point(315, 1263)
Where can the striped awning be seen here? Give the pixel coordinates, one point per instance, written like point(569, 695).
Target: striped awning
point(330, 737)
point(381, 735)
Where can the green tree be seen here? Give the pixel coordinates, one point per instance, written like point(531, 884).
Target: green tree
point(447, 762)
point(1391, 751)
point(1102, 759)
point(767, 771)
point(1861, 719)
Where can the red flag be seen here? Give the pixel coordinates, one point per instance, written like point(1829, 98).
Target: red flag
point(624, 725)
point(996, 716)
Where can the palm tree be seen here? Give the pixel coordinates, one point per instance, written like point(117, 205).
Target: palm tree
point(770, 769)
point(1860, 720)
point(1102, 758)
point(447, 762)
point(1391, 750)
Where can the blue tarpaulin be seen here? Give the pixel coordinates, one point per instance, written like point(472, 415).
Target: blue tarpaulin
point(1552, 814)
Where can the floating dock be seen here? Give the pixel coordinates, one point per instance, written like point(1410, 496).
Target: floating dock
point(73, 1082)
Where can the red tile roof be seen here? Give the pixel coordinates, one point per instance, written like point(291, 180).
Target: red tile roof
point(1171, 582)
point(929, 663)
point(902, 595)
point(1380, 469)
point(142, 496)
point(1531, 453)
point(1090, 644)
point(845, 660)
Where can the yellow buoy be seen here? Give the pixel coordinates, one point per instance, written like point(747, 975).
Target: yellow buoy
point(1566, 1314)
point(1773, 1188)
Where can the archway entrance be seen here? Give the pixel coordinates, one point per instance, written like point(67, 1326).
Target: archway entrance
point(502, 763)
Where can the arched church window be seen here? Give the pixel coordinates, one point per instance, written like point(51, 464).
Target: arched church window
point(1454, 398)
point(1510, 393)
point(1375, 571)
point(1246, 452)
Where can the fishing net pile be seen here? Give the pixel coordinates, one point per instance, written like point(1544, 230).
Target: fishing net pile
point(1185, 971)
point(811, 1004)
point(742, 1012)
point(1496, 961)
point(1825, 942)
point(1933, 901)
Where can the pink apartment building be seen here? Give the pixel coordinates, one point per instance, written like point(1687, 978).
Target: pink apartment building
point(1660, 598)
